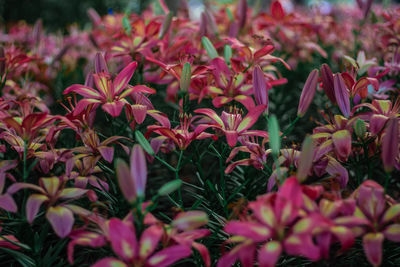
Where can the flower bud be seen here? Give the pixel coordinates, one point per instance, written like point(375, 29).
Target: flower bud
point(360, 128)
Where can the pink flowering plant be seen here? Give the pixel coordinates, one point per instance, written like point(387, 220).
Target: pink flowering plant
point(245, 135)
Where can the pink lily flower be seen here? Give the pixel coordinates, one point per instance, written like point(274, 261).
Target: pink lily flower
point(276, 226)
point(50, 191)
point(229, 86)
point(381, 111)
point(232, 124)
point(132, 251)
point(110, 92)
point(181, 135)
point(258, 154)
point(381, 221)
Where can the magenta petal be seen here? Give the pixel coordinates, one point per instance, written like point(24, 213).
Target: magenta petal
point(231, 137)
point(341, 95)
point(123, 239)
point(308, 93)
point(390, 144)
point(7, 203)
point(377, 122)
point(122, 79)
point(169, 255)
point(33, 204)
point(107, 153)
point(302, 245)
point(269, 254)
point(392, 232)
point(113, 108)
point(125, 180)
point(110, 262)
point(203, 252)
point(342, 144)
point(61, 219)
point(335, 169)
point(372, 243)
point(254, 231)
point(260, 87)
point(327, 81)
point(100, 63)
point(139, 112)
point(139, 169)
point(251, 118)
point(149, 241)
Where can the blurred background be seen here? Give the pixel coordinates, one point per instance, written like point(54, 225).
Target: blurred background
point(57, 14)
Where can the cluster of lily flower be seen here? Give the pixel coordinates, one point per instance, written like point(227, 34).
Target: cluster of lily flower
point(68, 171)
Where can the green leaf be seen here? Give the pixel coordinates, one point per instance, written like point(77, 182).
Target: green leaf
point(169, 187)
point(185, 77)
point(144, 143)
point(126, 24)
point(274, 138)
point(229, 13)
point(24, 260)
point(227, 54)
point(166, 24)
point(212, 53)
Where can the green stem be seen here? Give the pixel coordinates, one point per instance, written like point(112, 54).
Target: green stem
point(291, 126)
point(25, 173)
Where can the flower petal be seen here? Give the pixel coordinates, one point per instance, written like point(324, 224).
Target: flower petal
point(122, 79)
point(372, 243)
point(269, 254)
point(169, 255)
point(61, 219)
point(33, 204)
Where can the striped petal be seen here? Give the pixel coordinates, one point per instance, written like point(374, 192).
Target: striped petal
point(83, 91)
point(211, 114)
point(123, 78)
point(251, 118)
